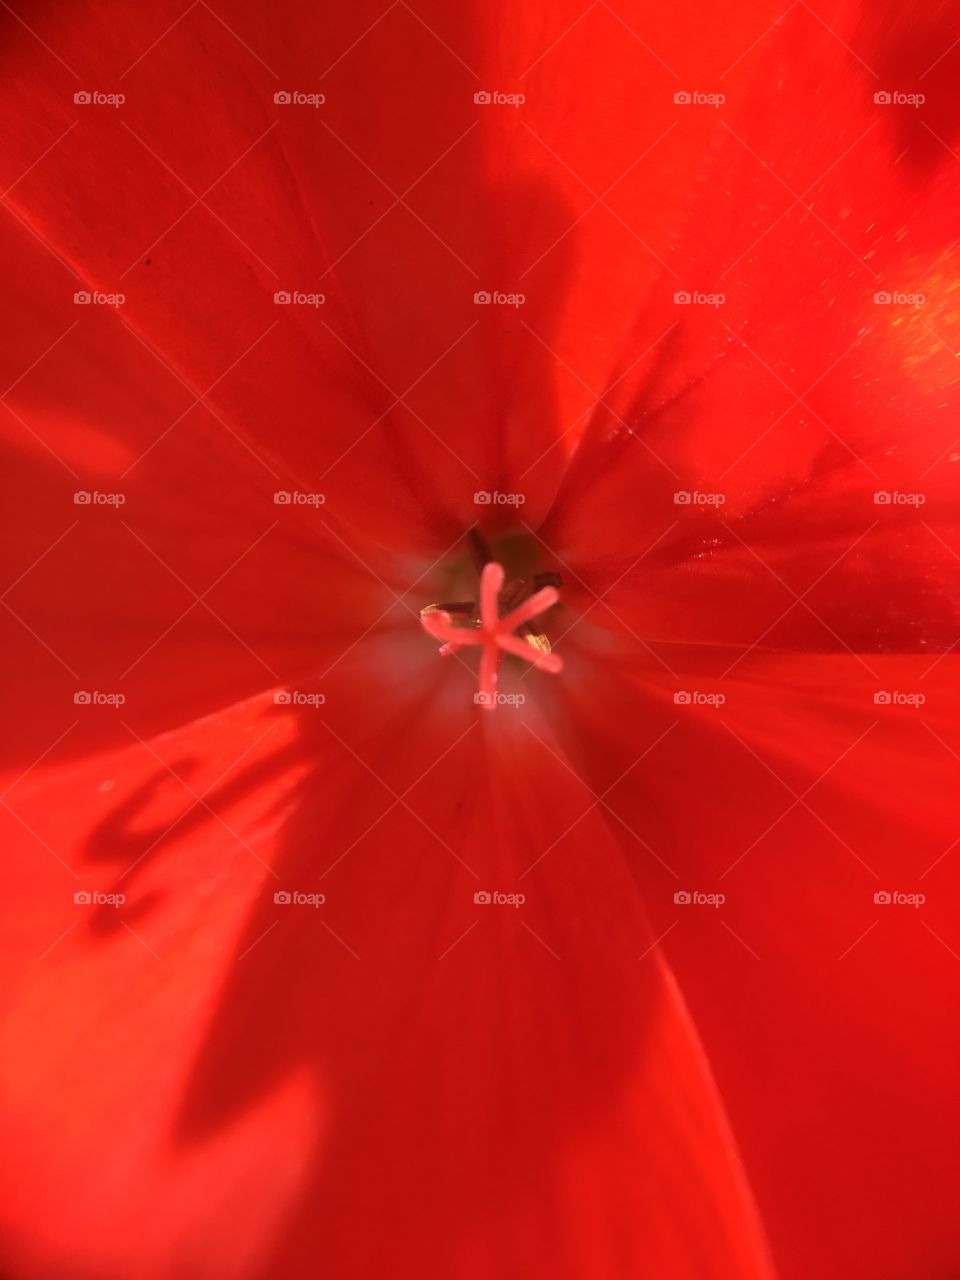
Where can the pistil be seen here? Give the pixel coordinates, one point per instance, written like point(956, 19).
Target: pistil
point(495, 633)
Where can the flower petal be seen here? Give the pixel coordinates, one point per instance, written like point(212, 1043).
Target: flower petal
point(827, 1012)
point(491, 1086)
point(795, 433)
point(374, 217)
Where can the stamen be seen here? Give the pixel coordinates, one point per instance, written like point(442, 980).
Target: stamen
point(494, 634)
point(540, 602)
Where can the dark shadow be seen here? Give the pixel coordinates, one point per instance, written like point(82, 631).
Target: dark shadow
point(916, 51)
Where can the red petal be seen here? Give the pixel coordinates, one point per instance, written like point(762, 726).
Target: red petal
point(188, 585)
point(510, 1087)
point(398, 396)
point(734, 467)
point(827, 1016)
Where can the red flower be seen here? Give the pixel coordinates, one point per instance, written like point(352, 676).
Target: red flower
point(312, 967)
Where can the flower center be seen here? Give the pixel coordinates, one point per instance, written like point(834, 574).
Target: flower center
point(504, 624)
